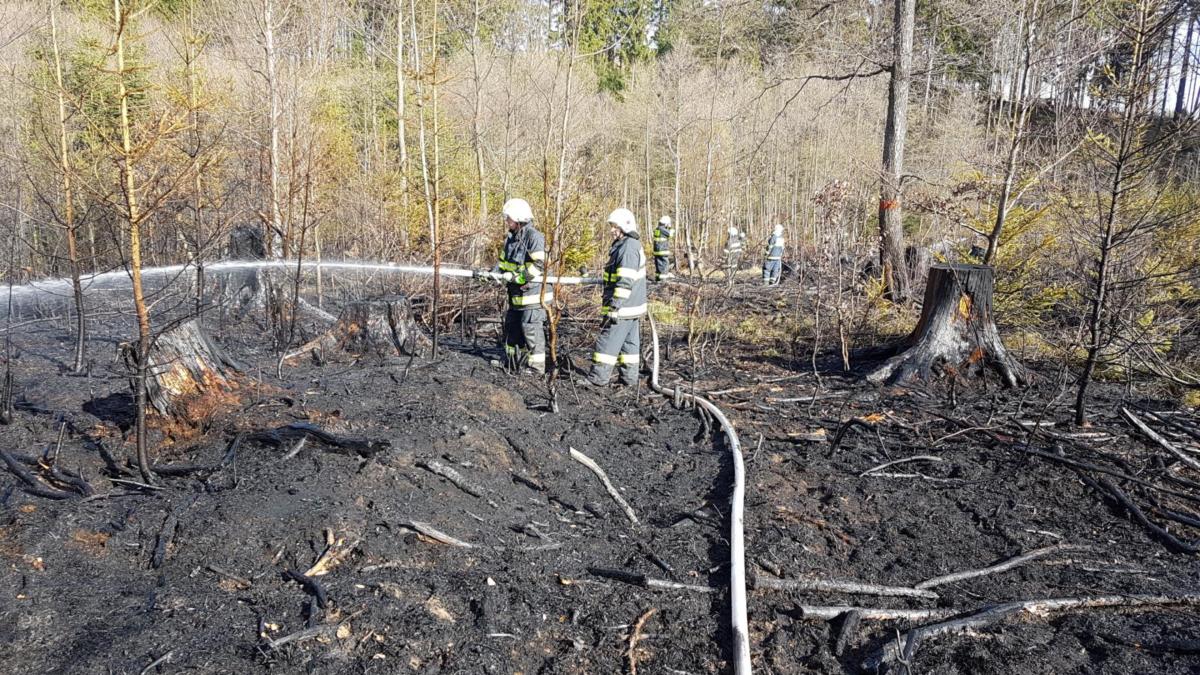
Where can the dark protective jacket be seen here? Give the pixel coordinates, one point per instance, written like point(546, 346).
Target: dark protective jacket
point(775, 247)
point(524, 255)
point(662, 241)
point(624, 294)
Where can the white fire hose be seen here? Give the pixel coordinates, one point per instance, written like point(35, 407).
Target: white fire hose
point(737, 541)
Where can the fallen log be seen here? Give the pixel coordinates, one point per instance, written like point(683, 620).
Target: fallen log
point(384, 327)
point(892, 652)
point(956, 334)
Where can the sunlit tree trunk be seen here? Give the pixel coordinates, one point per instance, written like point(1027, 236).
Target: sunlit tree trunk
point(69, 224)
point(891, 225)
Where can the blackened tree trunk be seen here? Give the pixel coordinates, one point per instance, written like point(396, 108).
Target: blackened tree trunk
point(1181, 92)
point(891, 226)
point(956, 335)
point(384, 327)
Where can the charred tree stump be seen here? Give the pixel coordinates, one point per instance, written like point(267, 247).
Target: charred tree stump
point(246, 289)
point(188, 375)
point(384, 327)
point(956, 335)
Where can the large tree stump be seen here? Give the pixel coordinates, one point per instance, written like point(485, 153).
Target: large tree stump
point(245, 289)
point(384, 327)
point(188, 376)
point(956, 335)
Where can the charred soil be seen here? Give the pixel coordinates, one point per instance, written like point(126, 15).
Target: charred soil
point(374, 471)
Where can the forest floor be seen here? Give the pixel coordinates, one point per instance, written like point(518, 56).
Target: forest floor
point(196, 575)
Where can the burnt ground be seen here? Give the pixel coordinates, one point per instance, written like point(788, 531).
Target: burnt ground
point(80, 592)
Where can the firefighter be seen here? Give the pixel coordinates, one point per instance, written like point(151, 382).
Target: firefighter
point(773, 261)
point(662, 249)
point(623, 303)
point(521, 263)
point(733, 251)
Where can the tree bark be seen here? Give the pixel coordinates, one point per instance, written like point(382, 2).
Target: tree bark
point(891, 225)
point(384, 327)
point(188, 375)
point(956, 335)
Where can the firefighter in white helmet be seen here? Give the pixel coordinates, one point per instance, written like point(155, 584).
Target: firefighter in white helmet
point(623, 303)
point(522, 261)
point(662, 249)
point(773, 260)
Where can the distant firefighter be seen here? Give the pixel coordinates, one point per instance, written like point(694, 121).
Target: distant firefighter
point(733, 251)
point(662, 249)
point(773, 260)
point(623, 303)
point(521, 262)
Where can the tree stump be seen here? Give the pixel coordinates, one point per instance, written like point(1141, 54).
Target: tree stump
point(384, 327)
point(247, 288)
point(188, 375)
point(956, 335)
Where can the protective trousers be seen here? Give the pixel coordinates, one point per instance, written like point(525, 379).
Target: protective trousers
point(771, 271)
point(524, 338)
point(662, 267)
point(620, 343)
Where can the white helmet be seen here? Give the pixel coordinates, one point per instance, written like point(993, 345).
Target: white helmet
point(665, 220)
point(778, 230)
point(732, 231)
point(623, 219)
point(518, 211)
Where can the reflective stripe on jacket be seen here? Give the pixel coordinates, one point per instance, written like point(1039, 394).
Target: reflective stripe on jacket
point(624, 295)
point(775, 247)
point(662, 241)
point(524, 255)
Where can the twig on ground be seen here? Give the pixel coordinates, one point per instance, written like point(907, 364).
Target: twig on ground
point(461, 482)
point(917, 458)
point(157, 662)
point(648, 582)
point(635, 635)
point(244, 583)
point(835, 586)
point(831, 612)
point(1013, 562)
point(1169, 540)
point(891, 653)
point(612, 490)
point(1162, 442)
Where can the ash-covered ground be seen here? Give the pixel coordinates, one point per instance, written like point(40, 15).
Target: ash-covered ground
point(196, 575)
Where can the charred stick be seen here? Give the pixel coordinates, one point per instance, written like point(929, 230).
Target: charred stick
point(608, 486)
point(32, 485)
point(164, 540)
point(912, 640)
point(1013, 562)
point(461, 482)
point(244, 583)
point(835, 586)
point(846, 632)
point(310, 585)
point(1169, 540)
point(1116, 474)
